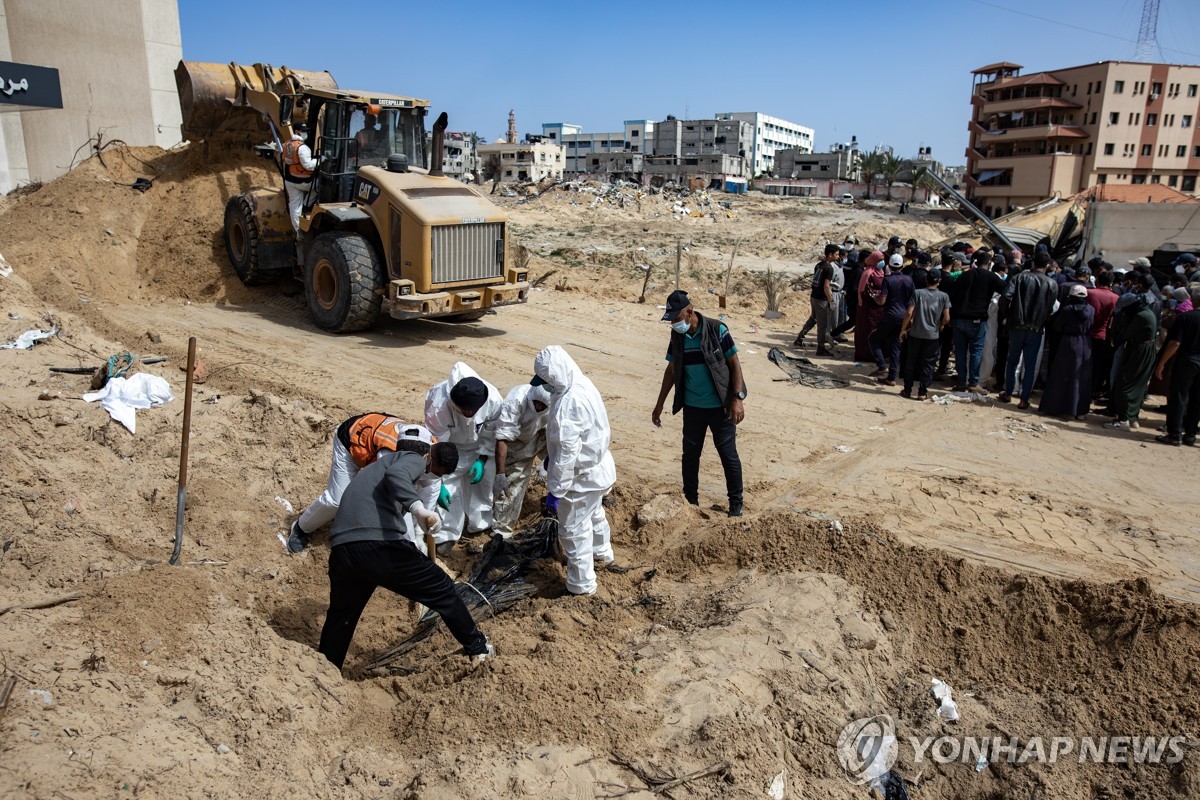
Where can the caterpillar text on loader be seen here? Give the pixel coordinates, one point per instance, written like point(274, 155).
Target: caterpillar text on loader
point(379, 231)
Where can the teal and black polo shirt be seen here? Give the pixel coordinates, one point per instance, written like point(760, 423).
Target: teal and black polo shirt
point(699, 391)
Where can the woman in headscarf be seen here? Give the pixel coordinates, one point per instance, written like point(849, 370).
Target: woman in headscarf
point(870, 305)
point(1069, 379)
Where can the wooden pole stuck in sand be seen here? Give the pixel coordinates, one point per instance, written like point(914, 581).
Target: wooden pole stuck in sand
point(181, 495)
point(678, 261)
point(728, 272)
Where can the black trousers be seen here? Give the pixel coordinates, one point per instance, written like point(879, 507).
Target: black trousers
point(355, 569)
point(851, 311)
point(946, 346)
point(921, 358)
point(696, 424)
point(1001, 358)
point(1183, 399)
point(1102, 358)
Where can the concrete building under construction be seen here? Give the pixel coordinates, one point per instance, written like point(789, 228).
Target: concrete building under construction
point(1062, 131)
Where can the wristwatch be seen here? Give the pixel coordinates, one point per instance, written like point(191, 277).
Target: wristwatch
point(741, 395)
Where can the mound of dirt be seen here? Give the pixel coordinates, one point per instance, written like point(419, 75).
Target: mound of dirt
point(90, 237)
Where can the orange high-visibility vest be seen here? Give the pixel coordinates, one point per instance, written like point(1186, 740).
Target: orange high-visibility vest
point(291, 160)
point(371, 433)
point(368, 434)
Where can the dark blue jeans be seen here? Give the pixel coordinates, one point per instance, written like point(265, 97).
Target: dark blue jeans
point(1027, 345)
point(885, 345)
point(968, 349)
point(696, 424)
point(356, 568)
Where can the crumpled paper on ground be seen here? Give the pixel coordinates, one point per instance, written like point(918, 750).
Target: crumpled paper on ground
point(29, 338)
point(121, 397)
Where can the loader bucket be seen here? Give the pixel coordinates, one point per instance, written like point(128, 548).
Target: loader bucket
point(227, 102)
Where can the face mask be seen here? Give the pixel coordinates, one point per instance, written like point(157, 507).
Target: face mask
point(1180, 270)
point(550, 389)
point(680, 327)
point(1003, 275)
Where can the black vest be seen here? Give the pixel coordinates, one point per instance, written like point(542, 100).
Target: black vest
point(714, 358)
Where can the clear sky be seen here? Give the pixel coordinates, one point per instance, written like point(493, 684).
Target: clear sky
point(895, 73)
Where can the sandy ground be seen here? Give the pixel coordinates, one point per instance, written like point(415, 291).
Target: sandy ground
point(1048, 571)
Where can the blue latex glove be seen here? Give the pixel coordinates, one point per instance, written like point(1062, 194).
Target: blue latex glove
point(475, 474)
point(444, 500)
point(552, 504)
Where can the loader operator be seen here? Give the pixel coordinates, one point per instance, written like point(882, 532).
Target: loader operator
point(370, 140)
point(298, 166)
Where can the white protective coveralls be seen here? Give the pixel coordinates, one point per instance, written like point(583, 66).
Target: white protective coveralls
point(524, 429)
point(580, 468)
point(298, 190)
point(470, 504)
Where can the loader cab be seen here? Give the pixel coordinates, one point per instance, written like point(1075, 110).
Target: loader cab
point(362, 131)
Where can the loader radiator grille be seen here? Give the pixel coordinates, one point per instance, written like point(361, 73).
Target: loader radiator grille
point(471, 252)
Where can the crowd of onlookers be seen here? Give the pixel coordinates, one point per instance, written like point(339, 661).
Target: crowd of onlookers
point(1093, 338)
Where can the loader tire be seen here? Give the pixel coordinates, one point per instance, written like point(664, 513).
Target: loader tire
point(343, 281)
point(241, 243)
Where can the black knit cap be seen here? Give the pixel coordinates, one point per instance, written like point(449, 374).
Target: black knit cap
point(469, 394)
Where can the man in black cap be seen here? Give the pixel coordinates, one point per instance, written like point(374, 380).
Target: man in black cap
point(704, 371)
point(464, 409)
point(894, 246)
point(1188, 266)
point(368, 549)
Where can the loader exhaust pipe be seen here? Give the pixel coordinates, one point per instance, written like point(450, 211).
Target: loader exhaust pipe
point(436, 145)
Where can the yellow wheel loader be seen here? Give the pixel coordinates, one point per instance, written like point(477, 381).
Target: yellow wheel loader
point(379, 231)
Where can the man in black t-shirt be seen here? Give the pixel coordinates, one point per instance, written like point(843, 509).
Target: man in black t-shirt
point(1183, 397)
point(970, 297)
point(823, 301)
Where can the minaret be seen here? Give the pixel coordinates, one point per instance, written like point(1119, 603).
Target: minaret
point(511, 136)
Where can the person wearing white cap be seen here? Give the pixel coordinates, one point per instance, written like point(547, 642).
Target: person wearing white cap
point(463, 410)
point(358, 442)
point(579, 466)
point(520, 442)
point(1069, 378)
point(298, 168)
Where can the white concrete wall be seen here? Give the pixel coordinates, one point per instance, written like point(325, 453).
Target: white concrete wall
point(14, 166)
point(116, 62)
point(164, 49)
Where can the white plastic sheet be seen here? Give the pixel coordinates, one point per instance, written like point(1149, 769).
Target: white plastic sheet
point(29, 338)
point(121, 397)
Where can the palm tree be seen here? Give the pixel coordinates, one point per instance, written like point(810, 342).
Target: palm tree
point(890, 167)
point(870, 164)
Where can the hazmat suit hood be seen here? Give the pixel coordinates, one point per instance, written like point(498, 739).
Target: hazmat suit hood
point(519, 421)
point(447, 424)
point(540, 395)
point(577, 433)
point(556, 368)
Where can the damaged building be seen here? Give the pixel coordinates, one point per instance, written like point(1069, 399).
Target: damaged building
point(1059, 132)
point(713, 150)
point(611, 153)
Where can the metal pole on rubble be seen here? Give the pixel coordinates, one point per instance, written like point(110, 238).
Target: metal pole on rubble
point(678, 260)
point(181, 496)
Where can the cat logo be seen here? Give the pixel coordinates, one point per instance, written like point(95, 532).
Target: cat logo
point(367, 192)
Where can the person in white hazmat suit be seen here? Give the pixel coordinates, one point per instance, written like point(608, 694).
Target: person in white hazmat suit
point(579, 466)
point(520, 442)
point(463, 410)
